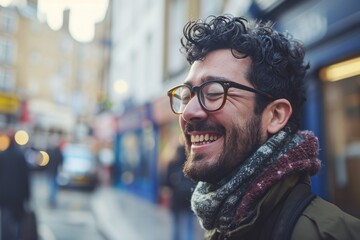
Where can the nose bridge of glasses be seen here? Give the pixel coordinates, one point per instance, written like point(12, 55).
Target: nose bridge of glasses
point(195, 92)
point(199, 93)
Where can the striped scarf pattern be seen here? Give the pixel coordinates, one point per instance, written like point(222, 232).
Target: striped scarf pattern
point(223, 205)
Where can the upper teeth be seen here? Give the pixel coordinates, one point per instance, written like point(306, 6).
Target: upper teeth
point(202, 137)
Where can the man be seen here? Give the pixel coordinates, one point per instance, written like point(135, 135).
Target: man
point(239, 113)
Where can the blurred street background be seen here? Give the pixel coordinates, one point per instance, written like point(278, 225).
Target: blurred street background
point(71, 219)
point(90, 78)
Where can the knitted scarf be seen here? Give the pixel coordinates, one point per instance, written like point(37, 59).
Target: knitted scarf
point(225, 204)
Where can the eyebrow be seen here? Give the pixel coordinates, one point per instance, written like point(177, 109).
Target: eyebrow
point(209, 78)
point(214, 78)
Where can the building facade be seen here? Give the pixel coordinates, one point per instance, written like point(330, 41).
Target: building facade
point(49, 82)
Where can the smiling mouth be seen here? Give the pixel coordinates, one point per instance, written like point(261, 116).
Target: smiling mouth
point(203, 139)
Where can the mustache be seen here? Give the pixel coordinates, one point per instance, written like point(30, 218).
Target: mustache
point(203, 126)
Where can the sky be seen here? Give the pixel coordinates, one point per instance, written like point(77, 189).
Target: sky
point(82, 19)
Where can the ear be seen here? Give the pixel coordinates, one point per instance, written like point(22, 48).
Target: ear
point(276, 115)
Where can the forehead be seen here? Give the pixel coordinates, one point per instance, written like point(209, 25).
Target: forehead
point(219, 63)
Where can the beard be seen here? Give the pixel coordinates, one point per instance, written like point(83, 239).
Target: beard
point(239, 144)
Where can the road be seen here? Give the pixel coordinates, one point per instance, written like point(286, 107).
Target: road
point(71, 219)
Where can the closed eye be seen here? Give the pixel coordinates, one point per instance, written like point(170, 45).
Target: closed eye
point(214, 95)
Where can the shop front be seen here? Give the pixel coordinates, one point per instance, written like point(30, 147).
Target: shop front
point(145, 142)
point(341, 82)
point(9, 109)
point(45, 118)
point(136, 153)
point(330, 31)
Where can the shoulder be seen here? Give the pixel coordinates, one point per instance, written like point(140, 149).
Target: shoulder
point(324, 220)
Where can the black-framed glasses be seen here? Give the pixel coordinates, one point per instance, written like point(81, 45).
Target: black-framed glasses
point(212, 95)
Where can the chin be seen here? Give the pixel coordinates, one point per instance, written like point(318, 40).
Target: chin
point(204, 170)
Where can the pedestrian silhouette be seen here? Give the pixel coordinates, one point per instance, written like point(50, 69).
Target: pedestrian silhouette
point(181, 190)
point(55, 162)
point(14, 189)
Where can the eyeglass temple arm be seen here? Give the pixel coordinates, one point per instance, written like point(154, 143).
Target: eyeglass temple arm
point(251, 89)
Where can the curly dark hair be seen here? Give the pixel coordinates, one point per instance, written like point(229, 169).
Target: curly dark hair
point(277, 65)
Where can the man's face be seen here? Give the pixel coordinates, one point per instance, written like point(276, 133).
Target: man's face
point(217, 142)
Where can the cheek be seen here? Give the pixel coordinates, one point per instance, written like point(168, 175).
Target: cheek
point(181, 123)
point(235, 121)
point(235, 114)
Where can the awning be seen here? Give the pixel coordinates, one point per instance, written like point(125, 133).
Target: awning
point(9, 103)
point(49, 115)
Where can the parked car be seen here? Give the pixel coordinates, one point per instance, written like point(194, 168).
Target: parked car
point(78, 168)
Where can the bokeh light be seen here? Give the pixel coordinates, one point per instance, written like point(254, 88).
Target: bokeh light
point(4, 142)
point(21, 137)
point(43, 158)
point(121, 87)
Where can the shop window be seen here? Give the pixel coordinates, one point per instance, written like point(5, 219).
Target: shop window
point(130, 157)
point(342, 125)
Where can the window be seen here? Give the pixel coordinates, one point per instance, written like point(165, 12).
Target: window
point(7, 51)
point(7, 80)
point(8, 20)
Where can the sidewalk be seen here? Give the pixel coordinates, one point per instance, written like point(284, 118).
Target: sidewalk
point(123, 216)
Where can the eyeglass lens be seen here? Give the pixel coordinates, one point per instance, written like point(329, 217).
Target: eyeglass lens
point(180, 97)
point(211, 97)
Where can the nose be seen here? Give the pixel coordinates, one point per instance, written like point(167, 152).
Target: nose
point(193, 111)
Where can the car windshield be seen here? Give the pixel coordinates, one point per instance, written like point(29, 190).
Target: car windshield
point(78, 158)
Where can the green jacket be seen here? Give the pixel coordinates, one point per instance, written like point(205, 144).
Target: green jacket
point(319, 220)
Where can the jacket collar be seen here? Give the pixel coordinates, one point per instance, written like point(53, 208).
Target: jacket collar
point(263, 209)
